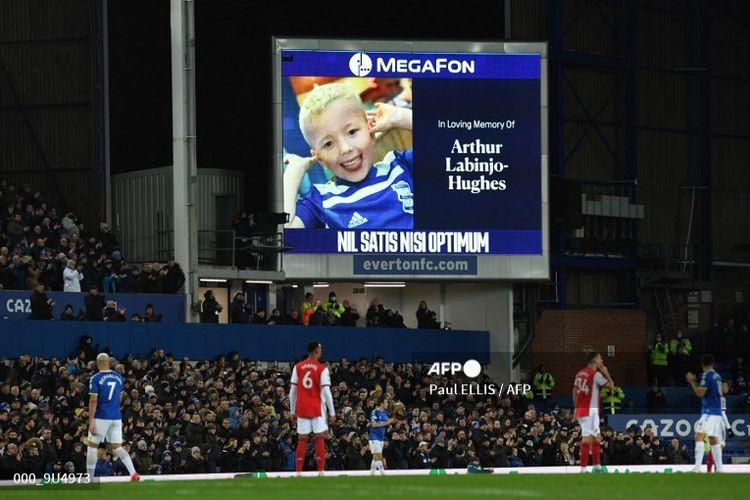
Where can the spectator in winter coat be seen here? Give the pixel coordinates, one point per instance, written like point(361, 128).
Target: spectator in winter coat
point(72, 277)
point(150, 316)
point(18, 272)
point(95, 303)
point(350, 315)
point(143, 458)
point(167, 464)
point(210, 308)
point(173, 278)
point(239, 312)
point(68, 314)
point(11, 461)
point(678, 454)
point(103, 464)
point(109, 281)
point(426, 319)
point(131, 282)
point(14, 230)
point(194, 464)
point(655, 399)
point(112, 313)
point(41, 306)
point(69, 224)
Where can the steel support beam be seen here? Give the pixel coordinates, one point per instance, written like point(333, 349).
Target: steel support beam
point(185, 171)
point(622, 64)
point(703, 23)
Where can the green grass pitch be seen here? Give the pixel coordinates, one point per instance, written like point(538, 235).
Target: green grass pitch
point(465, 487)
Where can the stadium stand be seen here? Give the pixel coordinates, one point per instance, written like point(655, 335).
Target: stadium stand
point(232, 414)
point(37, 241)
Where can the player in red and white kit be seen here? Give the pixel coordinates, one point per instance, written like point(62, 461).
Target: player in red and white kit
point(586, 387)
point(309, 397)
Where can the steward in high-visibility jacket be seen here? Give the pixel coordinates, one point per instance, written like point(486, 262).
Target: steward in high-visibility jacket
point(333, 305)
point(612, 399)
point(680, 345)
point(543, 382)
point(659, 351)
point(308, 308)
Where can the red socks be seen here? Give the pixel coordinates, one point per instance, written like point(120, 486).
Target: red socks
point(320, 451)
point(299, 463)
point(585, 450)
point(710, 464)
point(596, 450)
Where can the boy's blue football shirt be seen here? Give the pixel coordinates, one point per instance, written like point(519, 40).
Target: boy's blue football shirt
point(382, 200)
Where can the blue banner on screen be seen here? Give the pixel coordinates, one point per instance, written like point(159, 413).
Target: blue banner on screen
point(409, 64)
point(412, 153)
point(415, 264)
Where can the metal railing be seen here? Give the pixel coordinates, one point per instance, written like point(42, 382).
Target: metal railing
point(669, 257)
point(222, 247)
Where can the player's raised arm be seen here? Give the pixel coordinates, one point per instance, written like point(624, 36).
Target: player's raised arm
point(293, 391)
point(610, 382)
point(699, 390)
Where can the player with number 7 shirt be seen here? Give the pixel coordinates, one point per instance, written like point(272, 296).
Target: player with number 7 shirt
point(105, 419)
point(310, 397)
point(586, 387)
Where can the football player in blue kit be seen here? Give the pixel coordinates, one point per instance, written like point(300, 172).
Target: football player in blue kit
point(105, 419)
point(711, 423)
point(363, 193)
point(379, 422)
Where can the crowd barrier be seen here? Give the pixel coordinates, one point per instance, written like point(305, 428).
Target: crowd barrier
point(16, 304)
point(678, 425)
point(258, 342)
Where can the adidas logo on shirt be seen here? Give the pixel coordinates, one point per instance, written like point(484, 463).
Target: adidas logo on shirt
point(357, 220)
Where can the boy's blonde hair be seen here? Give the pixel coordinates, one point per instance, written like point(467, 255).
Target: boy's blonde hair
point(318, 100)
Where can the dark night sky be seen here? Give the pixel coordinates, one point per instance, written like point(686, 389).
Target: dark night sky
point(233, 70)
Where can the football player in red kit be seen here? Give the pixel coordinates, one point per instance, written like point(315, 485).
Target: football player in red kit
point(586, 387)
point(310, 397)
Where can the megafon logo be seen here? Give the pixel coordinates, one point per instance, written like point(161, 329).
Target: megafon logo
point(471, 368)
point(360, 64)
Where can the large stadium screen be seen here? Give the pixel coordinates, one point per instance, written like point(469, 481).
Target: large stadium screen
point(412, 153)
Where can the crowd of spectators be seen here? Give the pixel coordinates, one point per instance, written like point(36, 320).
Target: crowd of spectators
point(97, 308)
point(313, 312)
point(230, 414)
point(728, 340)
point(38, 245)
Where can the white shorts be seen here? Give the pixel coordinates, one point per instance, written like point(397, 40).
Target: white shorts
point(109, 429)
point(376, 446)
point(711, 425)
point(589, 425)
point(316, 425)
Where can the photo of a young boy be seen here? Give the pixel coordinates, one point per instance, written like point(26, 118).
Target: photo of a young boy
point(364, 192)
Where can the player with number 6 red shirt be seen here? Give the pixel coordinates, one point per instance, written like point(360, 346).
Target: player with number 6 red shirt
point(586, 387)
point(310, 397)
